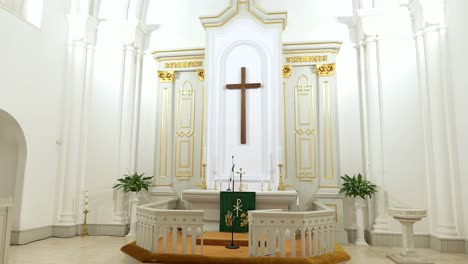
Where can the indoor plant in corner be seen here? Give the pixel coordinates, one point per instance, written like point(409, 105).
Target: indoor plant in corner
point(358, 188)
point(133, 184)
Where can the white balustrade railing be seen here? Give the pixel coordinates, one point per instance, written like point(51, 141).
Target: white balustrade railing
point(271, 230)
point(154, 223)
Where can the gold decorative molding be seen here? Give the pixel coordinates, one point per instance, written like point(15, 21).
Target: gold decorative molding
point(183, 64)
point(201, 74)
point(287, 70)
point(317, 58)
point(326, 70)
point(166, 76)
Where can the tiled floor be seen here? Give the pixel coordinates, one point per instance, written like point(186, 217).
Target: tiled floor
point(94, 250)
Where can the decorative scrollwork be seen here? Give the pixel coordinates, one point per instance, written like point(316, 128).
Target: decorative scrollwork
point(201, 74)
point(287, 70)
point(326, 70)
point(166, 76)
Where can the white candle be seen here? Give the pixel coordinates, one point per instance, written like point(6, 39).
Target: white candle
point(204, 155)
point(85, 201)
point(280, 155)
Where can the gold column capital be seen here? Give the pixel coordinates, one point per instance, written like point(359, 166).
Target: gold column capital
point(325, 70)
point(287, 70)
point(201, 74)
point(166, 76)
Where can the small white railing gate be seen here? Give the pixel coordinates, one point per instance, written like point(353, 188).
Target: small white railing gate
point(154, 224)
point(270, 230)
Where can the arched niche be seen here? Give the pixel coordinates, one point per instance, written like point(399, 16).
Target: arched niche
point(12, 162)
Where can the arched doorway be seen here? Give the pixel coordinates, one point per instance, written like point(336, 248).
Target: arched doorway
point(13, 163)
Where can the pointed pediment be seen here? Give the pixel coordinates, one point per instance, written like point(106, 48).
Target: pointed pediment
point(238, 7)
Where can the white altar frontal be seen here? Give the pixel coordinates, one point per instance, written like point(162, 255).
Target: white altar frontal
point(278, 118)
point(208, 200)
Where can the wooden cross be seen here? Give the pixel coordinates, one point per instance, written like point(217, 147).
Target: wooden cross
point(242, 86)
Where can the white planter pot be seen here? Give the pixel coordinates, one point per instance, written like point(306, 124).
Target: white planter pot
point(360, 205)
point(133, 199)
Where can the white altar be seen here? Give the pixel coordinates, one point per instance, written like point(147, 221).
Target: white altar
point(282, 129)
point(208, 200)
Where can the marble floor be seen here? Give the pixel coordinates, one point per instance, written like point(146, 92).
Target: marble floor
point(94, 250)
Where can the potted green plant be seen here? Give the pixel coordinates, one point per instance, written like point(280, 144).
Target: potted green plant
point(133, 184)
point(358, 188)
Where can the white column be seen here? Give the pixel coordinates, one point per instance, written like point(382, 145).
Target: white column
point(374, 129)
point(80, 57)
point(426, 125)
point(434, 40)
point(128, 120)
point(75, 91)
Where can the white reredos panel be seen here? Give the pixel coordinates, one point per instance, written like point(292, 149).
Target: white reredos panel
point(244, 40)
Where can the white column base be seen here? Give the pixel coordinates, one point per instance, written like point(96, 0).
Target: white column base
point(120, 218)
point(448, 231)
point(397, 258)
point(66, 219)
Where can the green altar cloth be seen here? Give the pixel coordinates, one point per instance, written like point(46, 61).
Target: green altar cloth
point(234, 206)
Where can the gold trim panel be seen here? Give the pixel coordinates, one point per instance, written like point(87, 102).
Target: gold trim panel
point(328, 160)
point(166, 76)
point(184, 64)
point(185, 132)
point(318, 58)
point(304, 128)
point(326, 70)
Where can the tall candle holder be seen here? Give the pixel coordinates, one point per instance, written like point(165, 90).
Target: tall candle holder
point(280, 184)
point(203, 185)
point(269, 186)
point(84, 231)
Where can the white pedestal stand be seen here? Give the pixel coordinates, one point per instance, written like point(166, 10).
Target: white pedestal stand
point(407, 218)
point(133, 202)
point(360, 204)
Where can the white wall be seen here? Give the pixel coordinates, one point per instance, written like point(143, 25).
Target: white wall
point(458, 37)
point(31, 81)
point(403, 144)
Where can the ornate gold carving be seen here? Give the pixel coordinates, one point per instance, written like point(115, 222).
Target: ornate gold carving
point(166, 76)
point(201, 74)
point(183, 64)
point(326, 70)
point(184, 134)
point(319, 58)
point(287, 70)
